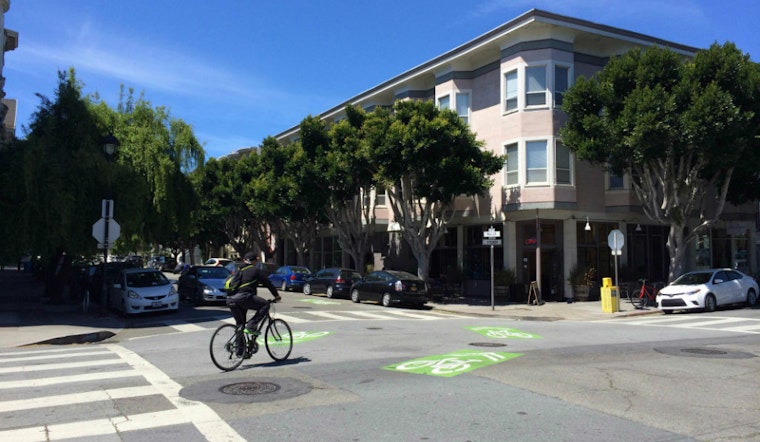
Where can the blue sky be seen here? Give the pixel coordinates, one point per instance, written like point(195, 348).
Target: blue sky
point(240, 70)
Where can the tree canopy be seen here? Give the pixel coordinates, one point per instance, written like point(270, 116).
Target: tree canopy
point(680, 128)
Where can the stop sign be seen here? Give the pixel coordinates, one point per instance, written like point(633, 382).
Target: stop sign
point(99, 230)
point(615, 240)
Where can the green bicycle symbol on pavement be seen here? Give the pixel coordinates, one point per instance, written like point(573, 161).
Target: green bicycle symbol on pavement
point(299, 336)
point(452, 364)
point(503, 333)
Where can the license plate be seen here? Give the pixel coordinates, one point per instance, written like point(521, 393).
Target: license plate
point(157, 304)
point(414, 288)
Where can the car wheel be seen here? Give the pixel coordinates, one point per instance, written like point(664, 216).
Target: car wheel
point(751, 298)
point(307, 289)
point(710, 303)
point(355, 295)
point(386, 300)
point(284, 286)
point(667, 312)
point(329, 291)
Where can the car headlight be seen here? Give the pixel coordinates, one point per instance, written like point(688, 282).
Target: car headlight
point(133, 295)
point(210, 291)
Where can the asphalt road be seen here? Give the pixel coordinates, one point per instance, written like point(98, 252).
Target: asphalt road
point(364, 372)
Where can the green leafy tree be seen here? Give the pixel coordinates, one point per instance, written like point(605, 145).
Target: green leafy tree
point(426, 157)
point(162, 150)
point(348, 180)
point(61, 162)
point(284, 192)
point(679, 128)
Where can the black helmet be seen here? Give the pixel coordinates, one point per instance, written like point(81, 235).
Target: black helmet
point(250, 256)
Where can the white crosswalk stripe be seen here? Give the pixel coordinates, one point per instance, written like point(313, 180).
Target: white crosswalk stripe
point(715, 323)
point(86, 377)
point(306, 317)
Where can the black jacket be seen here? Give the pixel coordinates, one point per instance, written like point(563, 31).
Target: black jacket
point(248, 278)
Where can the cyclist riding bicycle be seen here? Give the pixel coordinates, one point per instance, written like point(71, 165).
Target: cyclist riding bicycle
point(241, 293)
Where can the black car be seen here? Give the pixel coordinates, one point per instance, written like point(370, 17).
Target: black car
point(334, 281)
point(391, 287)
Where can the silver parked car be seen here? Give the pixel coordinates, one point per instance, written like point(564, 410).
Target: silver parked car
point(142, 290)
point(708, 289)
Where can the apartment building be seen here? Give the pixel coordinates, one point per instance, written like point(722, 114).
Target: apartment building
point(551, 210)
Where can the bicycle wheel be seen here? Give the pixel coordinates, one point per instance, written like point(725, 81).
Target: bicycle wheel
point(642, 301)
point(278, 339)
point(223, 348)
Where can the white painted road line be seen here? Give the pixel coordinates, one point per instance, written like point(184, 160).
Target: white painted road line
point(77, 398)
point(373, 316)
point(710, 322)
point(61, 366)
point(204, 418)
point(411, 315)
point(329, 315)
point(55, 355)
point(31, 383)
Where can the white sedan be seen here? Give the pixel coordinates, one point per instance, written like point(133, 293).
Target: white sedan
point(142, 290)
point(708, 289)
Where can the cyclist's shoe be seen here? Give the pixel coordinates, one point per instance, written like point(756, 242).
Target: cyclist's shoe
point(254, 333)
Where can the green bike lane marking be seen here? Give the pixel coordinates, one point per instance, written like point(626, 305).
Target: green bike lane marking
point(298, 337)
point(503, 333)
point(452, 364)
point(319, 301)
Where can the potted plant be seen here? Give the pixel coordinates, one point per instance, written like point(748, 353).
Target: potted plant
point(581, 279)
point(502, 279)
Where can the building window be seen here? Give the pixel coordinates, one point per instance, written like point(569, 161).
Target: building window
point(535, 86)
point(561, 82)
point(444, 102)
point(512, 165)
point(616, 181)
point(463, 106)
point(535, 158)
point(562, 164)
point(380, 195)
point(511, 91)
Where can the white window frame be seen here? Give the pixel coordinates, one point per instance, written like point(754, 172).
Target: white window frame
point(468, 111)
point(440, 98)
point(569, 80)
point(537, 92)
point(569, 169)
point(532, 170)
point(515, 93)
point(510, 171)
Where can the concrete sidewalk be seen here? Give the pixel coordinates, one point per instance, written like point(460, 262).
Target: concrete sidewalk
point(26, 318)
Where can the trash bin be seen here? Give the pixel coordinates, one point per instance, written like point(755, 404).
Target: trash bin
point(609, 295)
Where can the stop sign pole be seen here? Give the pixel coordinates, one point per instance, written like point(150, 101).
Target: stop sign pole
point(107, 230)
point(616, 240)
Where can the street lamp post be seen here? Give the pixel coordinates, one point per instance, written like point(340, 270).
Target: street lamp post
point(110, 144)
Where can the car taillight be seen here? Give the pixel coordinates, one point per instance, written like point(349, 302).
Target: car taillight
point(340, 280)
point(398, 286)
point(293, 277)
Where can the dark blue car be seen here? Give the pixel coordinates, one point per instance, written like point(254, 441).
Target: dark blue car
point(290, 277)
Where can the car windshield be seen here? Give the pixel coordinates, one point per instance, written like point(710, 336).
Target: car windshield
point(300, 270)
point(213, 273)
point(693, 278)
point(146, 279)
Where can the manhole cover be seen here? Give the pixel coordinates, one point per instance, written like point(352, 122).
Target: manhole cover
point(487, 344)
point(249, 388)
point(704, 351)
point(701, 352)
